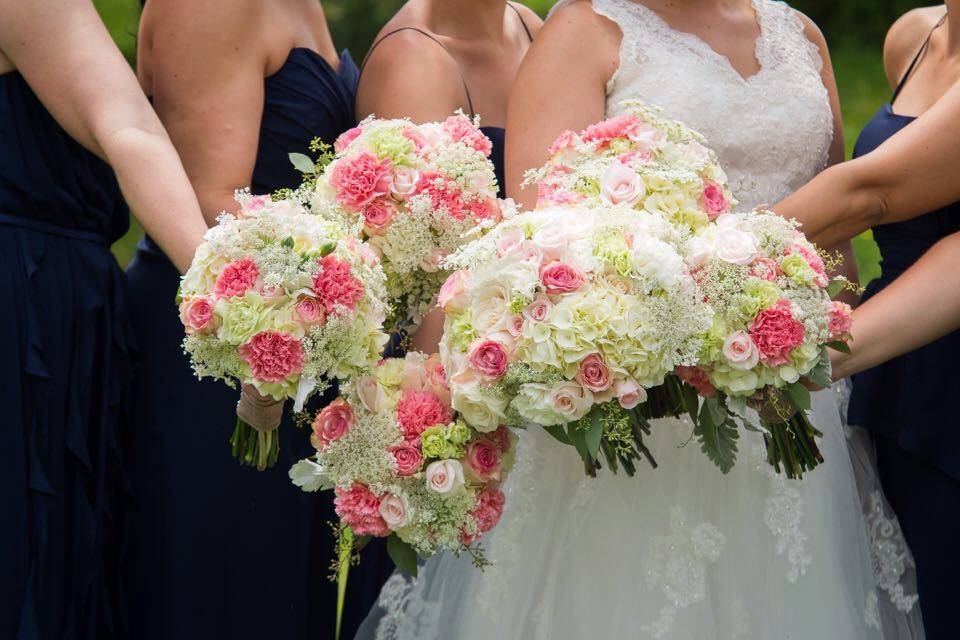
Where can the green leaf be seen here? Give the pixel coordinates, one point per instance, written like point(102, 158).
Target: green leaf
point(821, 374)
point(799, 395)
point(557, 432)
point(287, 242)
point(179, 297)
point(718, 442)
point(692, 401)
point(737, 405)
point(302, 163)
point(835, 287)
point(578, 437)
point(595, 433)
point(718, 413)
point(839, 345)
point(327, 249)
point(403, 555)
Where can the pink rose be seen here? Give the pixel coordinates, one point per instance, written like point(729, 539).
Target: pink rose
point(509, 240)
point(359, 509)
point(487, 511)
point(515, 325)
point(566, 140)
point(841, 320)
point(346, 139)
point(462, 129)
point(558, 277)
point(273, 356)
point(371, 394)
point(417, 411)
point(393, 510)
point(332, 423)
point(310, 311)
point(713, 200)
point(776, 332)
point(645, 136)
point(570, 400)
point(377, 217)
point(445, 477)
point(453, 294)
point(360, 180)
point(621, 184)
point(740, 351)
point(254, 203)
point(335, 285)
point(489, 358)
point(237, 278)
point(697, 379)
point(616, 127)
point(408, 458)
point(594, 373)
point(538, 310)
point(629, 393)
point(483, 460)
point(432, 261)
point(404, 183)
point(436, 379)
point(445, 195)
point(196, 314)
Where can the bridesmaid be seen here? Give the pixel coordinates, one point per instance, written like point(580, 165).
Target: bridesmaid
point(70, 108)
point(436, 56)
point(224, 551)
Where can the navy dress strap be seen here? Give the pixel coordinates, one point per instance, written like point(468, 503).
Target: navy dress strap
point(916, 60)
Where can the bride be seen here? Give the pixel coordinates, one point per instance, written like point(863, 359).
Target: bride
point(680, 551)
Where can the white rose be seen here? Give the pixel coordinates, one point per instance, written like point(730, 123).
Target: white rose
point(534, 404)
point(483, 412)
point(621, 184)
point(735, 246)
point(570, 400)
point(444, 477)
point(393, 510)
point(404, 181)
point(552, 240)
point(490, 309)
point(740, 351)
point(700, 250)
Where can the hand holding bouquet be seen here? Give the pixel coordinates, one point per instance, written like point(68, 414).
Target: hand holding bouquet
point(283, 301)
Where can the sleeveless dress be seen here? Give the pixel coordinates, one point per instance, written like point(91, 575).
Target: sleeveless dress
point(222, 550)
point(65, 363)
point(679, 552)
point(907, 406)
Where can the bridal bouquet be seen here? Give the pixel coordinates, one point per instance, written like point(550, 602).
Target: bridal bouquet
point(418, 191)
point(564, 319)
point(641, 160)
point(402, 464)
point(284, 301)
point(773, 320)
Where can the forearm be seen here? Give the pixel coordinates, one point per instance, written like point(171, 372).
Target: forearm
point(919, 307)
point(157, 190)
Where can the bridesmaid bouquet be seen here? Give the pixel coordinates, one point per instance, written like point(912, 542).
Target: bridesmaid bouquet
point(418, 191)
point(640, 160)
point(564, 319)
point(284, 301)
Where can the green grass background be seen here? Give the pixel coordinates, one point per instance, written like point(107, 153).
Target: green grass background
point(857, 63)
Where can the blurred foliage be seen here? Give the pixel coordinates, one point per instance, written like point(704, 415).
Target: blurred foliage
point(854, 29)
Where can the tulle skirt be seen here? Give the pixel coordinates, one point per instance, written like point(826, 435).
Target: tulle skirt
point(680, 552)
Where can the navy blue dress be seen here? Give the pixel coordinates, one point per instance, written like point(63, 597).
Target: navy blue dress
point(222, 550)
point(909, 406)
point(65, 362)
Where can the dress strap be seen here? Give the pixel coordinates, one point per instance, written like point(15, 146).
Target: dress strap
point(916, 60)
point(466, 89)
point(522, 21)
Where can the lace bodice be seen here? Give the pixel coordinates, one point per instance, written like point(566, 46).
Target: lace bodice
point(772, 131)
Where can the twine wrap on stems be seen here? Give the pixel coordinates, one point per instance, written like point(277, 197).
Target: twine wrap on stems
point(263, 413)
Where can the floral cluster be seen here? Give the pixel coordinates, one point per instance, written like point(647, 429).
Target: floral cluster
point(282, 300)
point(561, 317)
point(402, 463)
point(641, 160)
point(418, 191)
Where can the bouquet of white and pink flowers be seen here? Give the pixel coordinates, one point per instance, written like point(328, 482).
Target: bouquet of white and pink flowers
point(563, 318)
point(638, 159)
point(419, 191)
point(403, 465)
point(773, 320)
point(284, 301)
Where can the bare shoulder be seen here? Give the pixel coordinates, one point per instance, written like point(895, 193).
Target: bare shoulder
point(905, 38)
point(565, 32)
point(811, 30)
point(530, 17)
point(211, 27)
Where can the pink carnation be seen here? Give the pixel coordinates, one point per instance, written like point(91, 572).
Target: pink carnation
point(346, 138)
point(558, 277)
point(713, 200)
point(360, 180)
point(616, 127)
point(489, 358)
point(483, 459)
point(485, 210)
point(486, 512)
point(332, 423)
point(359, 509)
point(566, 140)
point(697, 379)
point(444, 194)
point(462, 129)
point(765, 269)
point(417, 411)
point(814, 260)
point(273, 355)
point(776, 333)
point(237, 278)
point(336, 286)
point(841, 320)
point(408, 457)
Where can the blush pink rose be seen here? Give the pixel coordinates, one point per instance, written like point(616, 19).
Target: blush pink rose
point(332, 423)
point(444, 477)
point(255, 203)
point(594, 373)
point(273, 356)
point(371, 394)
point(841, 320)
point(621, 184)
point(697, 379)
point(483, 460)
point(515, 325)
point(558, 277)
point(310, 312)
point(417, 411)
point(487, 512)
point(346, 138)
point(408, 458)
point(404, 183)
point(776, 333)
point(462, 129)
point(377, 216)
point(360, 180)
point(489, 358)
point(740, 351)
point(538, 310)
point(713, 200)
point(196, 314)
point(237, 278)
point(393, 510)
point(629, 393)
point(359, 508)
point(646, 137)
point(335, 285)
point(616, 127)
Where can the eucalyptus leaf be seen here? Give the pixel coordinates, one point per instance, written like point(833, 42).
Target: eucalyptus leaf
point(595, 434)
point(799, 395)
point(839, 345)
point(558, 432)
point(302, 163)
point(403, 555)
point(821, 374)
point(578, 437)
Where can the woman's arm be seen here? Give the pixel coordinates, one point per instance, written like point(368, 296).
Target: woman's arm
point(64, 52)
point(919, 307)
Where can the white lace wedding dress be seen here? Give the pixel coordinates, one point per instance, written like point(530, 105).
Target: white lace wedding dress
point(682, 551)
